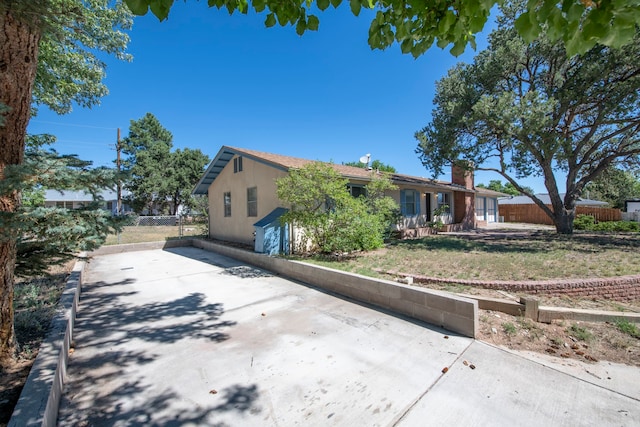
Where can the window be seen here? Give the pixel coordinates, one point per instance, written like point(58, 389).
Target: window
point(227, 203)
point(237, 164)
point(444, 199)
point(252, 201)
point(357, 190)
point(67, 205)
point(410, 202)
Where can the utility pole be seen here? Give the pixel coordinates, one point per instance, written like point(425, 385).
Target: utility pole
point(118, 148)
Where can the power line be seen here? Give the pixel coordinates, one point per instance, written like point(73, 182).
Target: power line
point(71, 124)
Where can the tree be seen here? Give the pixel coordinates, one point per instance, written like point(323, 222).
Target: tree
point(147, 151)
point(376, 165)
point(526, 109)
point(158, 177)
point(334, 221)
point(614, 186)
point(578, 24)
point(508, 188)
point(187, 167)
point(48, 56)
point(51, 235)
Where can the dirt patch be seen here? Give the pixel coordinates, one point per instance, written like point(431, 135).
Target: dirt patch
point(585, 341)
point(35, 303)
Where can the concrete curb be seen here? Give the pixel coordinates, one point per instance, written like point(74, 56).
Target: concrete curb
point(40, 398)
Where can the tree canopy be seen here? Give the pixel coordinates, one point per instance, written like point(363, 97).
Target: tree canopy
point(157, 177)
point(417, 25)
point(376, 165)
point(614, 186)
point(526, 109)
point(508, 188)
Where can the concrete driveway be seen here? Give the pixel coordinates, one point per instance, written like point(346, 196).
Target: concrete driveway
point(189, 337)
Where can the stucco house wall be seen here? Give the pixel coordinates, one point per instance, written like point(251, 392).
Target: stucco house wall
point(238, 227)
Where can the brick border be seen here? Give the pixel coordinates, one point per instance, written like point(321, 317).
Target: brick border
point(622, 288)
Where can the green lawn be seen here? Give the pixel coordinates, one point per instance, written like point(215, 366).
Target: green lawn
point(501, 256)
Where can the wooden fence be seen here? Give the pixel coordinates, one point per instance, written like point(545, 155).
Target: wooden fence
point(532, 214)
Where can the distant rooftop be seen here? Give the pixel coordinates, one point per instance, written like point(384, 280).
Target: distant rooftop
point(524, 200)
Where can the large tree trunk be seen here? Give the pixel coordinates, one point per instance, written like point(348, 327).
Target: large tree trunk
point(563, 221)
point(18, 60)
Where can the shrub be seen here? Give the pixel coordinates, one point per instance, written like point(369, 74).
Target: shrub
point(588, 223)
point(580, 333)
point(628, 328)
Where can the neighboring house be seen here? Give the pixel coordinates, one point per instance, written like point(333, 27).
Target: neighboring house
point(244, 207)
point(526, 200)
point(78, 199)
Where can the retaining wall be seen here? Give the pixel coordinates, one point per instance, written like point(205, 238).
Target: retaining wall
point(456, 314)
point(623, 288)
point(40, 398)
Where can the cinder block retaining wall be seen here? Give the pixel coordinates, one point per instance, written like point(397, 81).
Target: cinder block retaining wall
point(623, 288)
point(451, 312)
point(40, 398)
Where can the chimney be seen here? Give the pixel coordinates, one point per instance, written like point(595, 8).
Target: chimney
point(462, 174)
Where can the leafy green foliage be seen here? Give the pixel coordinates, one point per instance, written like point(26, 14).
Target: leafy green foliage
point(158, 178)
point(588, 223)
point(324, 210)
point(417, 25)
point(376, 165)
point(48, 235)
point(526, 109)
point(508, 188)
point(437, 222)
point(628, 328)
point(614, 186)
point(74, 33)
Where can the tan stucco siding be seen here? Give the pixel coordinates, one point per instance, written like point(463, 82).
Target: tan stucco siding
point(239, 226)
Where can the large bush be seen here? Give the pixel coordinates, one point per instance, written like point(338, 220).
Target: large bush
point(330, 218)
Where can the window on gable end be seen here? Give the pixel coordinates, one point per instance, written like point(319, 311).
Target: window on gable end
point(237, 164)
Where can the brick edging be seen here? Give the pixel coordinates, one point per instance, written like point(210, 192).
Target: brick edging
point(622, 288)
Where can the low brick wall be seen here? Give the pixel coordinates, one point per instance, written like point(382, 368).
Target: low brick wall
point(623, 288)
point(451, 312)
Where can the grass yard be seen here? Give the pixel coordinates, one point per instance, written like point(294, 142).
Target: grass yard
point(501, 256)
point(140, 234)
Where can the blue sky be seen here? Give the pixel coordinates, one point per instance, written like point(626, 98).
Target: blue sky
point(214, 79)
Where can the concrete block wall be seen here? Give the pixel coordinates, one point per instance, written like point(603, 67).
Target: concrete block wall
point(40, 398)
point(451, 312)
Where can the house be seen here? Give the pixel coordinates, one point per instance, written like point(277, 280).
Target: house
point(78, 199)
point(244, 208)
point(526, 200)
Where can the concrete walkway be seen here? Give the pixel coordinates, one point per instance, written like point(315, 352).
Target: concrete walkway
point(188, 337)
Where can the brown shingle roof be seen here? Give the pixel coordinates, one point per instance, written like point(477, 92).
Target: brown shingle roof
point(289, 162)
